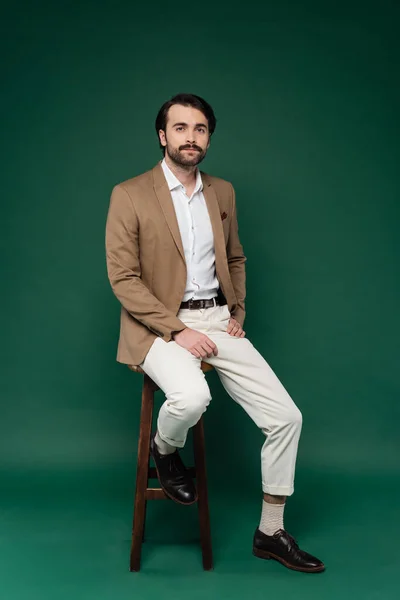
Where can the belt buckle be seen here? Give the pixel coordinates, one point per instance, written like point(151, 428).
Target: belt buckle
point(190, 303)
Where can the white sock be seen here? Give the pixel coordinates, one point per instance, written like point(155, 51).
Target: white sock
point(162, 446)
point(271, 518)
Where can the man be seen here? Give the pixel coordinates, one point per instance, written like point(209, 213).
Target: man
point(177, 267)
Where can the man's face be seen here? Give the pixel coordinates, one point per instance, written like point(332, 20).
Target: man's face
point(186, 138)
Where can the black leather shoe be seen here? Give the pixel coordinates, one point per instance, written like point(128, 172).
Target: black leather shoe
point(173, 476)
point(282, 547)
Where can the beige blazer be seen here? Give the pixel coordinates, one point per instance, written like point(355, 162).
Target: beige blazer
point(146, 261)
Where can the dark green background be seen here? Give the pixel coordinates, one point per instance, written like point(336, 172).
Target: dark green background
point(307, 100)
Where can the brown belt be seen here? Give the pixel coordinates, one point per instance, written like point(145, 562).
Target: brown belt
point(196, 304)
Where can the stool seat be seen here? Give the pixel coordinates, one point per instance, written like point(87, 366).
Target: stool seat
point(144, 472)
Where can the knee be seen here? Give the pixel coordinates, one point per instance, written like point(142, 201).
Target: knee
point(189, 405)
point(289, 417)
point(195, 404)
point(294, 418)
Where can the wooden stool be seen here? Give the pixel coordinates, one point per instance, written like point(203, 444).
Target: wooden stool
point(145, 472)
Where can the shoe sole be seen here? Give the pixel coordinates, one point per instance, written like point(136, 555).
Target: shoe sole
point(166, 492)
point(268, 555)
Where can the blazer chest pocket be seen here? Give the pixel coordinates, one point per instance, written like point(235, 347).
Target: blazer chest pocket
point(225, 227)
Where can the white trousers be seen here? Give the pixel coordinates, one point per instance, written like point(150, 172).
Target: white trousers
point(247, 378)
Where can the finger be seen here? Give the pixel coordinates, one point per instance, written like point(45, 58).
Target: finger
point(231, 325)
point(209, 343)
point(210, 347)
point(207, 348)
point(204, 350)
point(235, 330)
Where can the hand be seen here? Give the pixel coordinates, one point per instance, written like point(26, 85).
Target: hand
point(235, 328)
point(197, 343)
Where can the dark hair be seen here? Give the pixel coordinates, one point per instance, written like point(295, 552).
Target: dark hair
point(185, 100)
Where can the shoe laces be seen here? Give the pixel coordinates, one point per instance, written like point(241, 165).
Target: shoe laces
point(176, 467)
point(292, 541)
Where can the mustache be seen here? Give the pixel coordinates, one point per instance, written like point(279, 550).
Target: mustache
point(190, 148)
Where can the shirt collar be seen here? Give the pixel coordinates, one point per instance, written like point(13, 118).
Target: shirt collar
point(173, 182)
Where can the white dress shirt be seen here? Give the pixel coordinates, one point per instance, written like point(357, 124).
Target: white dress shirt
point(197, 237)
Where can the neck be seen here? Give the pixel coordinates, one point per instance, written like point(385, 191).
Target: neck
point(186, 175)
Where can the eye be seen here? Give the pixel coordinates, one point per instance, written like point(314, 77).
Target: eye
point(180, 127)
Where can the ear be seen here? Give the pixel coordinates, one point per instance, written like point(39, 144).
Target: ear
point(161, 135)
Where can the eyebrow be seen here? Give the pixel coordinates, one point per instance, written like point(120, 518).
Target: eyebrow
point(185, 124)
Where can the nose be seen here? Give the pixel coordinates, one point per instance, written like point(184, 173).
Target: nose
point(191, 136)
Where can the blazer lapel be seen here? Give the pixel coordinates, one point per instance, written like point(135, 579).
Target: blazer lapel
point(215, 218)
point(165, 199)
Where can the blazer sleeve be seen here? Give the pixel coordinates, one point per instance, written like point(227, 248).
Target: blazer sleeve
point(123, 267)
point(236, 263)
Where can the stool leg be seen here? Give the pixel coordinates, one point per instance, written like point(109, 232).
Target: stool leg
point(142, 473)
point(144, 521)
point(201, 478)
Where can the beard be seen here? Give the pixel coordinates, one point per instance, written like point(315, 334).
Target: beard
point(181, 158)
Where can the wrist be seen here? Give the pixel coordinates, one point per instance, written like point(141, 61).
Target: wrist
point(174, 333)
